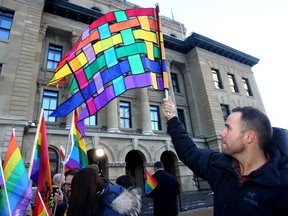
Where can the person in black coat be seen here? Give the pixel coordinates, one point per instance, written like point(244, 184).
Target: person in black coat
point(166, 192)
point(250, 174)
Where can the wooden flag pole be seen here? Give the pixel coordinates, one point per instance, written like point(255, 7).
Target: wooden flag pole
point(66, 157)
point(159, 42)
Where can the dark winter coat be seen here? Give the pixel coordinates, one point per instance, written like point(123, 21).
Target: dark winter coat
point(165, 194)
point(119, 201)
point(266, 194)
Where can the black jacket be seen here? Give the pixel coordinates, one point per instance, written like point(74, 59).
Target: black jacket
point(266, 194)
point(165, 194)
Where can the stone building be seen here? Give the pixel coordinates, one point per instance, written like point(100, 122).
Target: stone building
point(207, 79)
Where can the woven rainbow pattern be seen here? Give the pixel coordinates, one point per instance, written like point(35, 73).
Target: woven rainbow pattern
point(121, 50)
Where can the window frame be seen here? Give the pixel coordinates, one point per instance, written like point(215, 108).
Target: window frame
point(49, 109)
point(88, 120)
point(155, 118)
point(175, 82)
point(232, 83)
point(225, 111)
point(53, 50)
point(217, 78)
point(247, 87)
point(7, 16)
point(181, 116)
point(126, 120)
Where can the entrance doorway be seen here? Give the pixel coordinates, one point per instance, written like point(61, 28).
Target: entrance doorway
point(168, 159)
point(134, 167)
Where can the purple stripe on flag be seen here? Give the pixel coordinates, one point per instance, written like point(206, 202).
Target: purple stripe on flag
point(138, 81)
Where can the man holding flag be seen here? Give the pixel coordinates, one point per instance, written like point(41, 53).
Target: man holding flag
point(165, 193)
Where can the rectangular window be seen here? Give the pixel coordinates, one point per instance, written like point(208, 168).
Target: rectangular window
point(54, 56)
point(216, 78)
point(175, 83)
point(92, 120)
point(225, 111)
point(125, 114)
point(181, 116)
point(155, 118)
point(49, 104)
point(232, 83)
point(6, 19)
point(247, 87)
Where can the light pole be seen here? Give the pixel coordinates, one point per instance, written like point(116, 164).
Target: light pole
point(99, 154)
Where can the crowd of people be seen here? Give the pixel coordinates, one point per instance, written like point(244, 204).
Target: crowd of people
point(101, 197)
point(248, 177)
point(86, 192)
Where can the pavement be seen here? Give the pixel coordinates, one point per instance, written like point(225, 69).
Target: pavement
point(192, 203)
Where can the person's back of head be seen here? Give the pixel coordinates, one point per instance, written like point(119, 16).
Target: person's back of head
point(158, 165)
point(95, 166)
point(126, 181)
point(255, 120)
point(83, 200)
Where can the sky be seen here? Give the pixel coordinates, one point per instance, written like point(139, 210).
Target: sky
point(255, 27)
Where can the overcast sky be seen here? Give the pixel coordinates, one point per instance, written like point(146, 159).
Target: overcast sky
point(255, 27)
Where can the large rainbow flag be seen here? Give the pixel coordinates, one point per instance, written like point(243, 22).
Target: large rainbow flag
point(78, 156)
point(40, 173)
point(17, 183)
point(121, 50)
point(151, 183)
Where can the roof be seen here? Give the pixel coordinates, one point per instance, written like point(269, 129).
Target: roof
point(85, 15)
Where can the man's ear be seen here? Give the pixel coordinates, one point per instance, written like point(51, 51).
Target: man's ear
point(250, 136)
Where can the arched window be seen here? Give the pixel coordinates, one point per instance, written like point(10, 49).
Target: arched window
point(54, 161)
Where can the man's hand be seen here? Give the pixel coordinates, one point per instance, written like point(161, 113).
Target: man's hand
point(58, 197)
point(168, 108)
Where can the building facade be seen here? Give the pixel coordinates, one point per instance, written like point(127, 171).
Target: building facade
point(207, 79)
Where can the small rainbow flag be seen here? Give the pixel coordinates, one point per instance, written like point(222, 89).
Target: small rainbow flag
point(78, 156)
point(151, 183)
point(18, 186)
point(40, 172)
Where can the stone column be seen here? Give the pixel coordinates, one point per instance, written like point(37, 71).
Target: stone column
point(171, 91)
point(112, 116)
point(145, 112)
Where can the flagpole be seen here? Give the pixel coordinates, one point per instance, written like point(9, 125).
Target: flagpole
point(5, 189)
point(159, 42)
point(35, 142)
point(66, 157)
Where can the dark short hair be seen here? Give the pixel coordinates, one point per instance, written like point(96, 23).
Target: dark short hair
point(71, 172)
point(253, 119)
point(158, 165)
point(126, 181)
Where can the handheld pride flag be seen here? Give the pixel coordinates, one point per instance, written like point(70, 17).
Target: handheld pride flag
point(78, 157)
point(18, 186)
point(40, 173)
point(121, 50)
point(151, 183)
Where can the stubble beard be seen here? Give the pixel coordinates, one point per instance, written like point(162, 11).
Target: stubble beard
point(235, 148)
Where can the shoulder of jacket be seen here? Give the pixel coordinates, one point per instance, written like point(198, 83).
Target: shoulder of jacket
point(128, 202)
